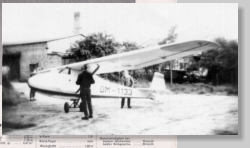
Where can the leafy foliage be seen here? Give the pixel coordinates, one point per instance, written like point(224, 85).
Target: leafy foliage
point(172, 36)
point(130, 46)
point(93, 46)
point(223, 63)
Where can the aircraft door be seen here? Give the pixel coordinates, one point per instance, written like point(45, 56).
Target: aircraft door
point(67, 81)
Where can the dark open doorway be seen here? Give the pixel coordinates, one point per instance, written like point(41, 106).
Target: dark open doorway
point(13, 62)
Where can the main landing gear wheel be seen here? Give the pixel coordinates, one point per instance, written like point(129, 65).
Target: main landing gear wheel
point(66, 107)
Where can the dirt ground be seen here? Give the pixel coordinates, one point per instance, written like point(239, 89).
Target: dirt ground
point(166, 115)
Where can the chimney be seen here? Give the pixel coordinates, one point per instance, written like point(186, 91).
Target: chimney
point(77, 23)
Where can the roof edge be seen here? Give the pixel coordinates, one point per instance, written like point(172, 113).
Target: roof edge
point(39, 41)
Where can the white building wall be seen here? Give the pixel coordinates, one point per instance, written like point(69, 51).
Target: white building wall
point(62, 45)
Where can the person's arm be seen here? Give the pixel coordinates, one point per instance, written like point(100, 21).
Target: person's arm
point(98, 66)
point(78, 81)
point(122, 80)
point(93, 81)
point(132, 81)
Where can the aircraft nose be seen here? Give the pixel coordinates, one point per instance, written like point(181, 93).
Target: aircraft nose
point(46, 80)
point(38, 81)
point(32, 81)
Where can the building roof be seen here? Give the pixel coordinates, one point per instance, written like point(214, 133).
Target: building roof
point(38, 41)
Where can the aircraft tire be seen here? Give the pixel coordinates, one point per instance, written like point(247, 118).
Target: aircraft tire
point(66, 107)
point(81, 107)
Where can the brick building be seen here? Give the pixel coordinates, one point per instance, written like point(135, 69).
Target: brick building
point(23, 57)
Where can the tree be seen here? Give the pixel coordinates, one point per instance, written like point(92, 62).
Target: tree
point(130, 46)
point(223, 63)
point(93, 46)
point(172, 36)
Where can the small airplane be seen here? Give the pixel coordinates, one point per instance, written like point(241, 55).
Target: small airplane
point(62, 80)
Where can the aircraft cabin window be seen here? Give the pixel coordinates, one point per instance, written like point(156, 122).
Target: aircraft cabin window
point(65, 71)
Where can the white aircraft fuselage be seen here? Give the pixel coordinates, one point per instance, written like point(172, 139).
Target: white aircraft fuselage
point(63, 82)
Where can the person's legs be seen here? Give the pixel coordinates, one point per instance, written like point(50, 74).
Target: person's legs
point(83, 97)
point(89, 105)
point(129, 103)
point(122, 104)
point(32, 94)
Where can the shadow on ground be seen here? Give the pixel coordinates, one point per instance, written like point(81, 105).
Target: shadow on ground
point(8, 126)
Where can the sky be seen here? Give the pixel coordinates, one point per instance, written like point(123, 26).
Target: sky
point(126, 22)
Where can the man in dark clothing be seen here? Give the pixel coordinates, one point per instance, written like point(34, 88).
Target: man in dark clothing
point(85, 80)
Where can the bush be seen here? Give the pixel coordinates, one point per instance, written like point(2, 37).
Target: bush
point(9, 95)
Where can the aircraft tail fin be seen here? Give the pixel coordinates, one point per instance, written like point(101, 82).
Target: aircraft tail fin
point(158, 82)
point(157, 87)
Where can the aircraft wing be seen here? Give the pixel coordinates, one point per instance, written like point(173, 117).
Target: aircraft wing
point(145, 57)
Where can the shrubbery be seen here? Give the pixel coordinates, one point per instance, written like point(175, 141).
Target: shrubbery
point(9, 95)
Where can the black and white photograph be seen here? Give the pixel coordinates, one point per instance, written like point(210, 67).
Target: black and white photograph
point(120, 69)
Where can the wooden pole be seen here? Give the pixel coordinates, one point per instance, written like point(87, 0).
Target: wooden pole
point(171, 76)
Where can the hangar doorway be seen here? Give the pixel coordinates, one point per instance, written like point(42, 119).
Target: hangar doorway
point(13, 62)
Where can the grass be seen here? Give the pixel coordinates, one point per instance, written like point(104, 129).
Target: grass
point(201, 88)
point(193, 88)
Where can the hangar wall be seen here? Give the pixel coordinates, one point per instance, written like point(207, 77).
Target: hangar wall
point(52, 61)
point(33, 53)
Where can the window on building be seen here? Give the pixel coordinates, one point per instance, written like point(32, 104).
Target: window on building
point(181, 66)
point(33, 67)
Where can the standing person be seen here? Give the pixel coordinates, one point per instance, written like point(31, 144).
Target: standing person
point(85, 80)
point(127, 80)
point(32, 91)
